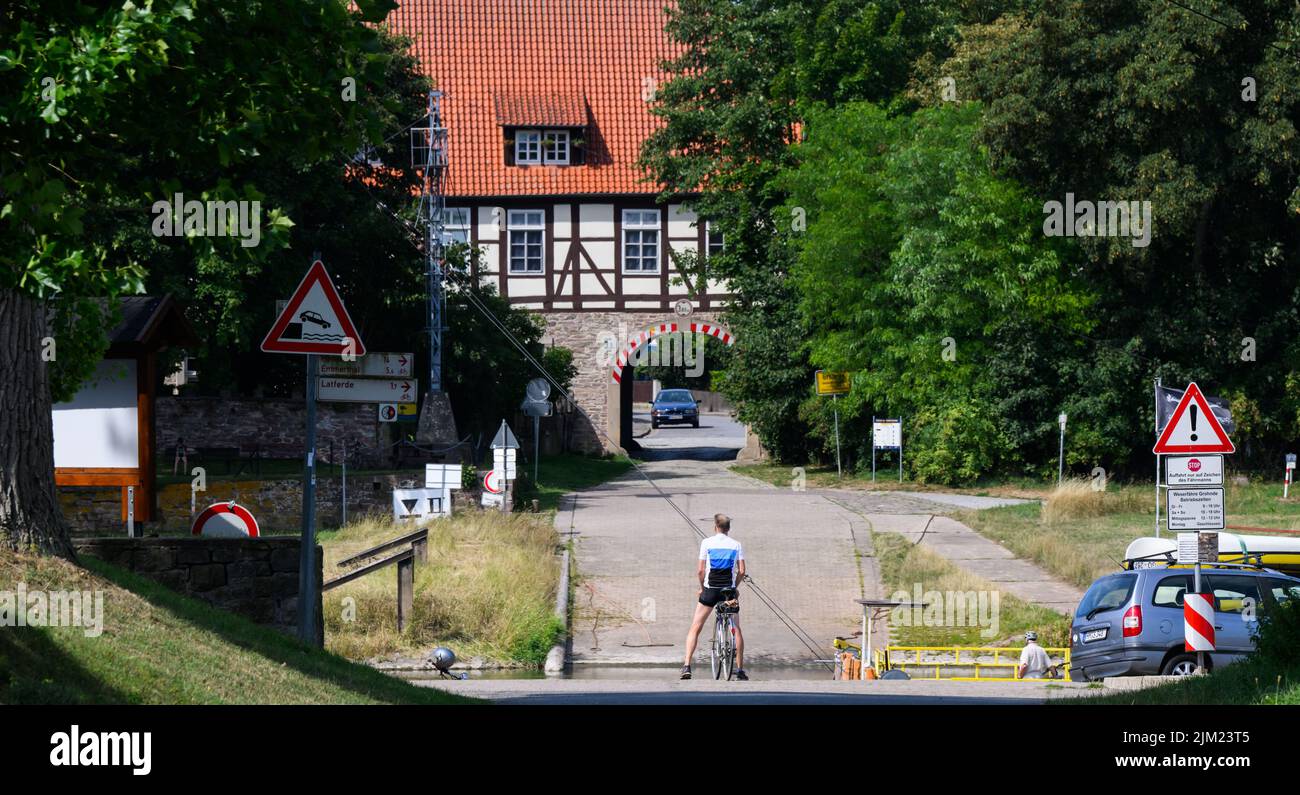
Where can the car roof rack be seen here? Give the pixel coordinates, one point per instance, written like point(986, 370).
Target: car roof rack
point(1248, 560)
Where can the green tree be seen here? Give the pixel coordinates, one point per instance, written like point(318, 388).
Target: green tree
point(109, 109)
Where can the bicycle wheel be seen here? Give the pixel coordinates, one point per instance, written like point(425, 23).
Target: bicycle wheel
point(729, 649)
point(716, 654)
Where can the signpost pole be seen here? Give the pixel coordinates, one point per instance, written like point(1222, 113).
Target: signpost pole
point(838, 468)
point(900, 448)
point(1156, 392)
point(873, 452)
point(537, 423)
point(307, 554)
point(1196, 586)
point(344, 484)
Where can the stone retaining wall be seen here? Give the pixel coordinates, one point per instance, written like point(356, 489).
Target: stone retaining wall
point(255, 577)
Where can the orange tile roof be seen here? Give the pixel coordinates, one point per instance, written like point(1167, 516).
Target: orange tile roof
point(500, 61)
point(561, 110)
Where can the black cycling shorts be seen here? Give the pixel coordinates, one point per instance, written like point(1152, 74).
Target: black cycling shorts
point(711, 596)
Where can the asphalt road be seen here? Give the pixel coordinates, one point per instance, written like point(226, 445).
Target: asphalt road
point(719, 438)
point(700, 691)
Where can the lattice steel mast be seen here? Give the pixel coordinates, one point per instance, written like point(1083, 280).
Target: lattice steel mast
point(429, 153)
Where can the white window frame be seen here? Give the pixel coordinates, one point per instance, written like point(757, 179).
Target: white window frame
point(528, 223)
point(528, 147)
point(455, 223)
point(636, 228)
point(554, 140)
point(708, 243)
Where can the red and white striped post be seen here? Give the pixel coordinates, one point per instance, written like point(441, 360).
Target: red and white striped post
point(1198, 625)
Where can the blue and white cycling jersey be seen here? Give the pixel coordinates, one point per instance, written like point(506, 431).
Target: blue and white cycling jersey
point(722, 553)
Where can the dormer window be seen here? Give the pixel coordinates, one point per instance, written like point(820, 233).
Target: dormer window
point(542, 147)
point(543, 129)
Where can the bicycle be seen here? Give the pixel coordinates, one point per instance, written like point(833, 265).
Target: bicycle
point(723, 654)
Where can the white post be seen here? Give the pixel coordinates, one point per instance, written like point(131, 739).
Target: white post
point(1060, 466)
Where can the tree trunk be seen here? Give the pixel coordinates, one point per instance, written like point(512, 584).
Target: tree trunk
point(30, 515)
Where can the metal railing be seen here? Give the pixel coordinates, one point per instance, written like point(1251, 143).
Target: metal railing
point(417, 544)
point(1006, 661)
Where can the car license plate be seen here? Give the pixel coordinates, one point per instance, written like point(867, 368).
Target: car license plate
point(1094, 634)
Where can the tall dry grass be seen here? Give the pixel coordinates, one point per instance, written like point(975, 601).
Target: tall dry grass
point(1077, 499)
point(488, 589)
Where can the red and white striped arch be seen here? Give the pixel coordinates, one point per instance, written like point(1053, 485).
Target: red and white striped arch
point(625, 356)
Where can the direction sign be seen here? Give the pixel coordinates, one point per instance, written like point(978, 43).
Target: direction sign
point(1196, 509)
point(407, 412)
point(832, 383)
point(225, 520)
point(1193, 428)
point(503, 461)
point(1194, 470)
point(314, 320)
point(376, 365)
point(333, 389)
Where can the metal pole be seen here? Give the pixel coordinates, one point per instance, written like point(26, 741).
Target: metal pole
point(873, 464)
point(307, 555)
point(838, 468)
point(1157, 422)
point(130, 511)
point(1060, 464)
point(344, 484)
point(537, 421)
point(900, 448)
point(1196, 586)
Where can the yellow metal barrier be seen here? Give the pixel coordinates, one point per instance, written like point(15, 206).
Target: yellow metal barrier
point(1005, 658)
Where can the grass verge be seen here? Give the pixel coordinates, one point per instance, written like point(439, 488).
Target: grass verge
point(558, 475)
point(1080, 535)
point(825, 477)
point(159, 647)
point(487, 590)
point(905, 566)
point(1252, 681)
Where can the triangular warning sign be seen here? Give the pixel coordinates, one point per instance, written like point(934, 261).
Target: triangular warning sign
point(410, 504)
point(314, 320)
point(505, 438)
point(1193, 428)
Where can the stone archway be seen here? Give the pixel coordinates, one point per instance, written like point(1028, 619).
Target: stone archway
point(619, 394)
point(693, 327)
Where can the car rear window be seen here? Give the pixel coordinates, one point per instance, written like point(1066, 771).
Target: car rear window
point(1108, 593)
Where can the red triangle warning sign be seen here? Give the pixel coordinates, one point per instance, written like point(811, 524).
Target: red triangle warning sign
point(314, 320)
point(1193, 428)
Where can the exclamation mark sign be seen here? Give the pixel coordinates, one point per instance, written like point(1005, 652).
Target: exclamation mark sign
point(1193, 409)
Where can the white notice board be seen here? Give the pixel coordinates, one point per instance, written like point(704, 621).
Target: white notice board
point(98, 428)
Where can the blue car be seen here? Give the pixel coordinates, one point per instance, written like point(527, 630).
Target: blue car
point(675, 406)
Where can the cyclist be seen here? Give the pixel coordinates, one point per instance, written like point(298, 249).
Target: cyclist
point(722, 567)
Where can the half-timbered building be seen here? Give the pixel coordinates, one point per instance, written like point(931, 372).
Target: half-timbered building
point(547, 104)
